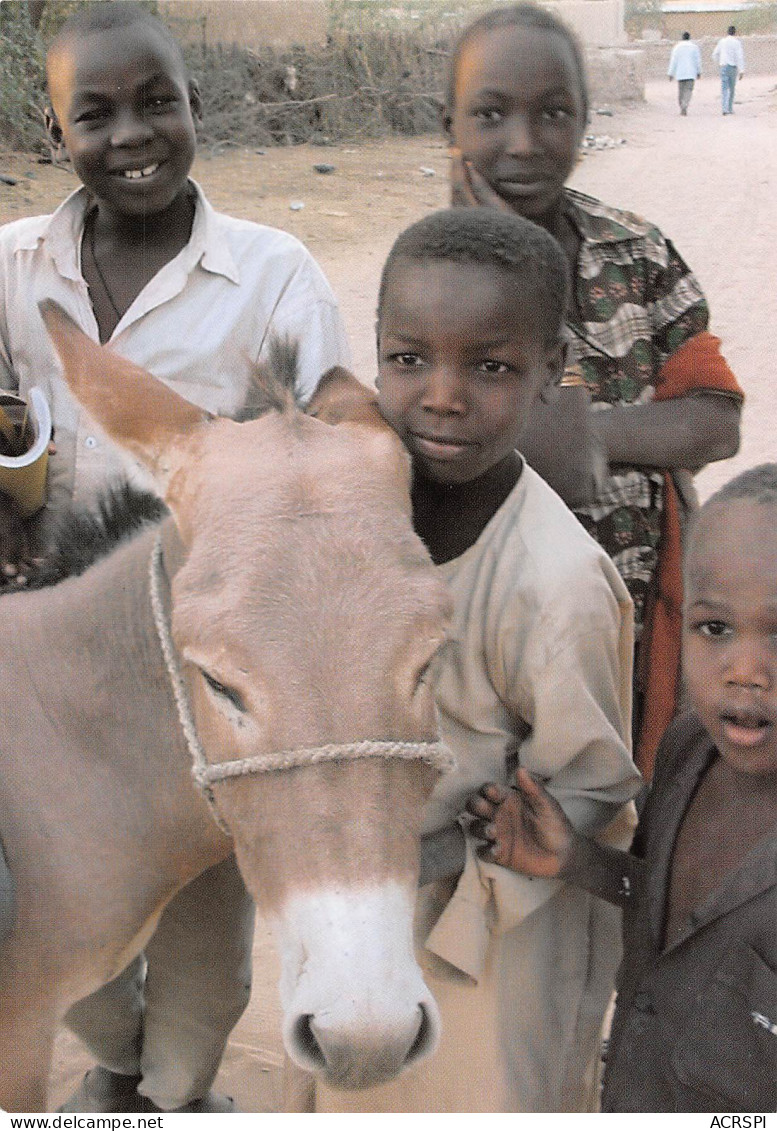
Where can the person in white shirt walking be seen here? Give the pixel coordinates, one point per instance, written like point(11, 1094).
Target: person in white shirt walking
point(730, 57)
point(685, 66)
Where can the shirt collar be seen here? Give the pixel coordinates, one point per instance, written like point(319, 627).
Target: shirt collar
point(599, 223)
point(62, 236)
point(207, 243)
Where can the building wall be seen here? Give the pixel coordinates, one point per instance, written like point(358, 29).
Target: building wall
point(699, 23)
point(279, 23)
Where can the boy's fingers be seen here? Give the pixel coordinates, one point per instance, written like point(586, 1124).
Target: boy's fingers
point(479, 806)
point(494, 792)
point(482, 191)
point(483, 830)
point(461, 190)
point(526, 785)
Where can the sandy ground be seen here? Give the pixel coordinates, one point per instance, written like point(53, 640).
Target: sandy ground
point(709, 183)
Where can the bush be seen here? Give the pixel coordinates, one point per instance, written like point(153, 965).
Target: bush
point(760, 18)
point(355, 86)
point(22, 81)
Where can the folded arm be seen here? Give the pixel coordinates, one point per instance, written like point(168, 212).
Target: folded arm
point(685, 432)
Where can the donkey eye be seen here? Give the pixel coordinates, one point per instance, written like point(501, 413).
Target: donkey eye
point(228, 693)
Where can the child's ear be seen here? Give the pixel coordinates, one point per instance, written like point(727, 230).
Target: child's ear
point(53, 128)
point(195, 100)
point(555, 360)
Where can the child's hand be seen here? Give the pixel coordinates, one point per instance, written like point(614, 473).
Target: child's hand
point(469, 188)
point(524, 828)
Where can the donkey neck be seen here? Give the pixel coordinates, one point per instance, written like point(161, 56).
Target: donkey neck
point(87, 663)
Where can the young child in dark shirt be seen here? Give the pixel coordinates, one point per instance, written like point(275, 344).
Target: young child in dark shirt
point(695, 1026)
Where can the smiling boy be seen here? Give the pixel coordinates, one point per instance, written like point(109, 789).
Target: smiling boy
point(695, 1026)
point(137, 255)
point(139, 258)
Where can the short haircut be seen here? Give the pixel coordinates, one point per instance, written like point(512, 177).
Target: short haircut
point(523, 16)
point(758, 484)
point(732, 30)
point(109, 15)
point(686, 35)
point(489, 238)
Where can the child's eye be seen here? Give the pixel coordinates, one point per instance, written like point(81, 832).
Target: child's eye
point(490, 365)
point(558, 114)
point(405, 360)
point(714, 628)
point(87, 116)
point(160, 103)
point(489, 115)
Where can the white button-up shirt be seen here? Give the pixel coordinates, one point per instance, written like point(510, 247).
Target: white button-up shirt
point(200, 325)
point(728, 53)
point(685, 61)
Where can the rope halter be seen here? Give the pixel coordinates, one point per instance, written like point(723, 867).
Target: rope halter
point(206, 773)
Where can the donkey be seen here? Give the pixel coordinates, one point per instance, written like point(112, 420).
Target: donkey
point(275, 632)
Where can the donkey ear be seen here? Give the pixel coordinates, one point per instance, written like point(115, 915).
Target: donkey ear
point(341, 399)
point(138, 412)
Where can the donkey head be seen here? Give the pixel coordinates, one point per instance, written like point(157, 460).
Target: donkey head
point(306, 614)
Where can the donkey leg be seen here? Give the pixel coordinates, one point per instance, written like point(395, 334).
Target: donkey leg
point(27, 1028)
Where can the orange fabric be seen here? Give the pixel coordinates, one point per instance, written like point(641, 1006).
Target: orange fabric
point(697, 366)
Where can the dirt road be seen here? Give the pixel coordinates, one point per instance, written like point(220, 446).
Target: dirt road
point(709, 182)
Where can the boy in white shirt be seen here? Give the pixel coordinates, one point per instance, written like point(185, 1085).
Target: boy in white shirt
point(138, 258)
point(730, 57)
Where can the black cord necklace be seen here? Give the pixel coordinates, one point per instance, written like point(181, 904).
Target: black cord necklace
point(90, 225)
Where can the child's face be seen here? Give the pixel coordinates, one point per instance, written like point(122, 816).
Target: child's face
point(730, 631)
point(125, 110)
point(462, 357)
point(519, 114)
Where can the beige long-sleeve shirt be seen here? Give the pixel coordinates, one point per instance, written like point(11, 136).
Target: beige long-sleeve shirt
point(537, 671)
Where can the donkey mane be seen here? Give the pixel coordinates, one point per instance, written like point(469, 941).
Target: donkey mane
point(273, 384)
point(84, 537)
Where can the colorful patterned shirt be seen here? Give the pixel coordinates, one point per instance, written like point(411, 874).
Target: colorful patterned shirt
point(637, 302)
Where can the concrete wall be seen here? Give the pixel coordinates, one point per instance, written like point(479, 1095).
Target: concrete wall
point(249, 23)
point(616, 74)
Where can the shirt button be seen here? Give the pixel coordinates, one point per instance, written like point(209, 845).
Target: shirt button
point(90, 442)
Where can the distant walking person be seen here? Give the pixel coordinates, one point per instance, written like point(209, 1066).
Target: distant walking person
point(730, 57)
point(685, 66)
